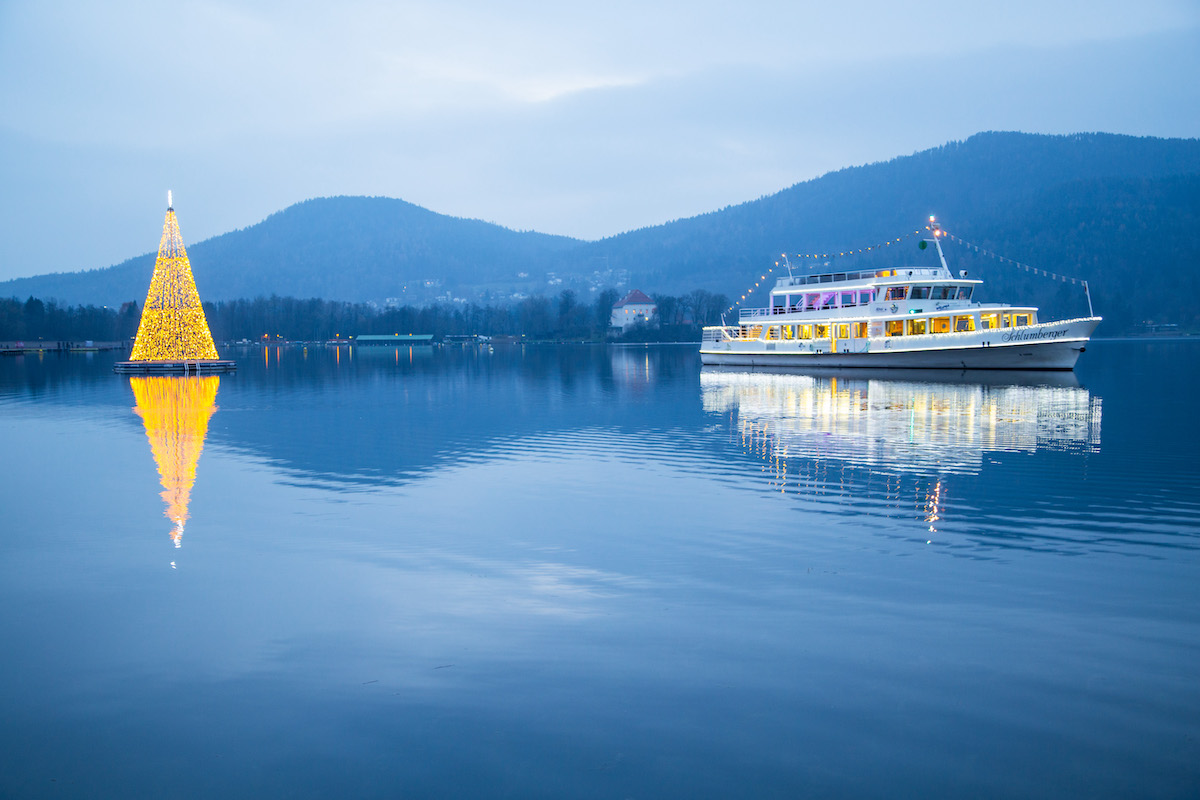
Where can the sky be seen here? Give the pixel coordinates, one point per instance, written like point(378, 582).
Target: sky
point(581, 119)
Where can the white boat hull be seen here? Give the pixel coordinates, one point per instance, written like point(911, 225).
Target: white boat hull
point(1045, 346)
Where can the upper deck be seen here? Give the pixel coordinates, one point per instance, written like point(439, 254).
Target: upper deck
point(875, 277)
point(853, 293)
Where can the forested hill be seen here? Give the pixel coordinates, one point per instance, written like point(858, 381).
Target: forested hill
point(345, 248)
point(1122, 212)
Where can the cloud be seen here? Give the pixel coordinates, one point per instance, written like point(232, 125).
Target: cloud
point(585, 120)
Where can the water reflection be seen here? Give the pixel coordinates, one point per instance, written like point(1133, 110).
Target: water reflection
point(817, 431)
point(175, 412)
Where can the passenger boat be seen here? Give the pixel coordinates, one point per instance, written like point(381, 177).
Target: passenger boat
point(911, 318)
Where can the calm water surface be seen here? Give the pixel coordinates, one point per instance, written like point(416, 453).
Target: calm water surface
point(598, 572)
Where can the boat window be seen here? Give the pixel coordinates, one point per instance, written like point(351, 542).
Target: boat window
point(859, 330)
point(989, 321)
point(894, 327)
point(942, 293)
point(964, 323)
point(849, 298)
point(789, 331)
point(773, 332)
point(964, 293)
point(806, 331)
point(896, 292)
point(916, 327)
point(812, 301)
point(1006, 320)
point(1020, 320)
point(919, 293)
point(843, 330)
point(865, 297)
point(939, 325)
point(829, 300)
point(820, 331)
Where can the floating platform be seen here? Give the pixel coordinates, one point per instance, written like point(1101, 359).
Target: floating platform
point(203, 366)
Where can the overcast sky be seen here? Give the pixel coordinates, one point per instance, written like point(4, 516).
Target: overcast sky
point(583, 119)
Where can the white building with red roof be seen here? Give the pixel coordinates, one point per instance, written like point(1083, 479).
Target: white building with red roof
point(631, 308)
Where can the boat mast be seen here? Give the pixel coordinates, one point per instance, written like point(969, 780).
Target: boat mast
point(937, 241)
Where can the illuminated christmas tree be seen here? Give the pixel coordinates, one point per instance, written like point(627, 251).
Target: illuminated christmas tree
point(173, 327)
point(175, 412)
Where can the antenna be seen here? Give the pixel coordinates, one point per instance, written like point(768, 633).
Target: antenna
point(170, 205)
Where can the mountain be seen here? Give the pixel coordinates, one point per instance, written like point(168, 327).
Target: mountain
point(1119, 211)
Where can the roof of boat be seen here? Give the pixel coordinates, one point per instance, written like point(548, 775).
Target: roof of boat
point(889, 275)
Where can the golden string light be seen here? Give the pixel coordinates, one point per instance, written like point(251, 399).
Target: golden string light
point(173, 326)
point(887, 243)
point(175, 412)
point(1002, 259)
point(758, 283)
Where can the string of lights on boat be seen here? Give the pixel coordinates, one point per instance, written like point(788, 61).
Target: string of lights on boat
point(937, 230)
point(1004, 260)
point(823, 256)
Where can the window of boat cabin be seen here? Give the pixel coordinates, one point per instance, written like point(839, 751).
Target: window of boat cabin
point(843, 330)
point(812, 300)
point(828, 300)
point(896, 293)
point(939, 325)
point(919, 293)
point(964, 323)
point(806, 331)
point(820, 331)
point(789, 331)
point(916, 327)
point(964, 293)
point(865, 297)
point(1006, 320)
point(894, 327)
point(849, 299)
point(989, 321)
point(942, 293)
point(772, 333)
point(859, 330)
point(1020, 320)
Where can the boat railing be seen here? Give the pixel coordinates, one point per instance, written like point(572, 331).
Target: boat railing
point(841, 277)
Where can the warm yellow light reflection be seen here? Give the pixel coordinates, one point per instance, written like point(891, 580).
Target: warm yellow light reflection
point(175, 412)
point(881, 437)
point(173, 327)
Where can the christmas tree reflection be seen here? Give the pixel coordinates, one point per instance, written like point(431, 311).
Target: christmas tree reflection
point(175, 411)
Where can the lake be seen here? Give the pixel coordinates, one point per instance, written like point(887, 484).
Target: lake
point(599, 572)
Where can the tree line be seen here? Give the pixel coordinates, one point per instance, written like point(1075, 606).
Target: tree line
point(563, 317)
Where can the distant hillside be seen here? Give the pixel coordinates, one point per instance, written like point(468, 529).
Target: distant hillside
point(1120, 211)
point(348, 248)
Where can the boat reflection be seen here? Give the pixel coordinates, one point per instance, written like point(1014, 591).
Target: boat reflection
point(175, 412)
point(811, 428)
